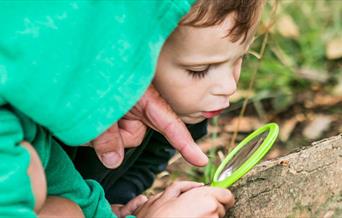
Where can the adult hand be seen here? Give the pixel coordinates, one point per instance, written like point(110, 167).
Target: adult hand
point(188, 199)
point(151, 111)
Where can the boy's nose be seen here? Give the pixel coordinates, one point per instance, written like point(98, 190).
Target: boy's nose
point(226, 84)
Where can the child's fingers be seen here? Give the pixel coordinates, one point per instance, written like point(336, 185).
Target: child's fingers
point(133, 205)
point(145, 207)
point(116, 209)
point(154, 198)
point(221, 210)
point(178, 188)
point(224, 196)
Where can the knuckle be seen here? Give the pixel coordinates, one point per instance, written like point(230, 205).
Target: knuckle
point(133, 142)
point(212, 205)
point(225, 192)
point(175, 185)
point(142, 198)
point(137, 141)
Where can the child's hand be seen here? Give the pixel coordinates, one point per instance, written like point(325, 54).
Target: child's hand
point(128, 209)
point(188, 199)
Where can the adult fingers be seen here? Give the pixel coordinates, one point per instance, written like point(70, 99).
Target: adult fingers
point(109, 147)
point(161, 117)
point(132, 132)
point(133, 205)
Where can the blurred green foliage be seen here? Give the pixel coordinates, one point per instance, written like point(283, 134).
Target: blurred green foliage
point(296, 54)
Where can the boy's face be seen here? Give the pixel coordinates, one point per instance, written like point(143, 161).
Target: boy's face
point(198, 70)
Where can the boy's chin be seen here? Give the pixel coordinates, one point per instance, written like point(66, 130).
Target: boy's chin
point(192, 120)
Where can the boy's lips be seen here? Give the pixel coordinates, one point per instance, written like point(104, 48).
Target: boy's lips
point(210, 114)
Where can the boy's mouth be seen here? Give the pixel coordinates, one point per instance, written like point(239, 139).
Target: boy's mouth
point(210, 114)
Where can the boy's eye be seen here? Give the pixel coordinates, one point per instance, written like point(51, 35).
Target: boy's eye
point(198, 74)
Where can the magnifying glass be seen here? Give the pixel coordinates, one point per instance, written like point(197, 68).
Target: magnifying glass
point(245, 155)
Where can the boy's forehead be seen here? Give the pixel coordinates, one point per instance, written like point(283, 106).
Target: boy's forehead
point(210, 42)
point(221, 30)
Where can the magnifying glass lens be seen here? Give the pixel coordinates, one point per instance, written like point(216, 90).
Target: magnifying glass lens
point(242, 155)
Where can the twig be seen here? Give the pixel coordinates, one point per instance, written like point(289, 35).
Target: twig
point(259, 56)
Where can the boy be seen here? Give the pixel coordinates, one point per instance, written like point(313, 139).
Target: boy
point(198, 70)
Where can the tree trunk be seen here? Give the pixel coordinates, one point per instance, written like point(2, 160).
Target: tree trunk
point(307, 183)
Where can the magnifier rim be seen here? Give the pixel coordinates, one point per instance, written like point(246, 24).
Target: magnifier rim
point(252, 160)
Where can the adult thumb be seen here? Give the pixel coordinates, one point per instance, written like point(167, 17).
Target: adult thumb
point(109, 147)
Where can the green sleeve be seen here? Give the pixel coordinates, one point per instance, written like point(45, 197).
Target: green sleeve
point(65, 181)
point(16, 198)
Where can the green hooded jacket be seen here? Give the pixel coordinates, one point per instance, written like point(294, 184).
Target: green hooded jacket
point(71, 69)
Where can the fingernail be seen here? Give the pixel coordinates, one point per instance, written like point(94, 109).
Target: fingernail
point(203, 158)
point(111, 159)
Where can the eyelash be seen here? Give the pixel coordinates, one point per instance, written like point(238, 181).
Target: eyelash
point(202, 73)
point(199, 74)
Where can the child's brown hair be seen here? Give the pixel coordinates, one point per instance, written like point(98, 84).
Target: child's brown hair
point(206, 13)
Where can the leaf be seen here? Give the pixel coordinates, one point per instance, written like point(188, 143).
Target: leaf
point(282, 102)
point(208, 143)
point(247, 124)
point(333, 48)
point(275, 152)
point(317, 126)
point(337, 91)
point(287, 27)
point(312, 74)
point(326, 100)
point(288, 126)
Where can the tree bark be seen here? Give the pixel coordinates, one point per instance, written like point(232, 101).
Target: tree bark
point(307, 183)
